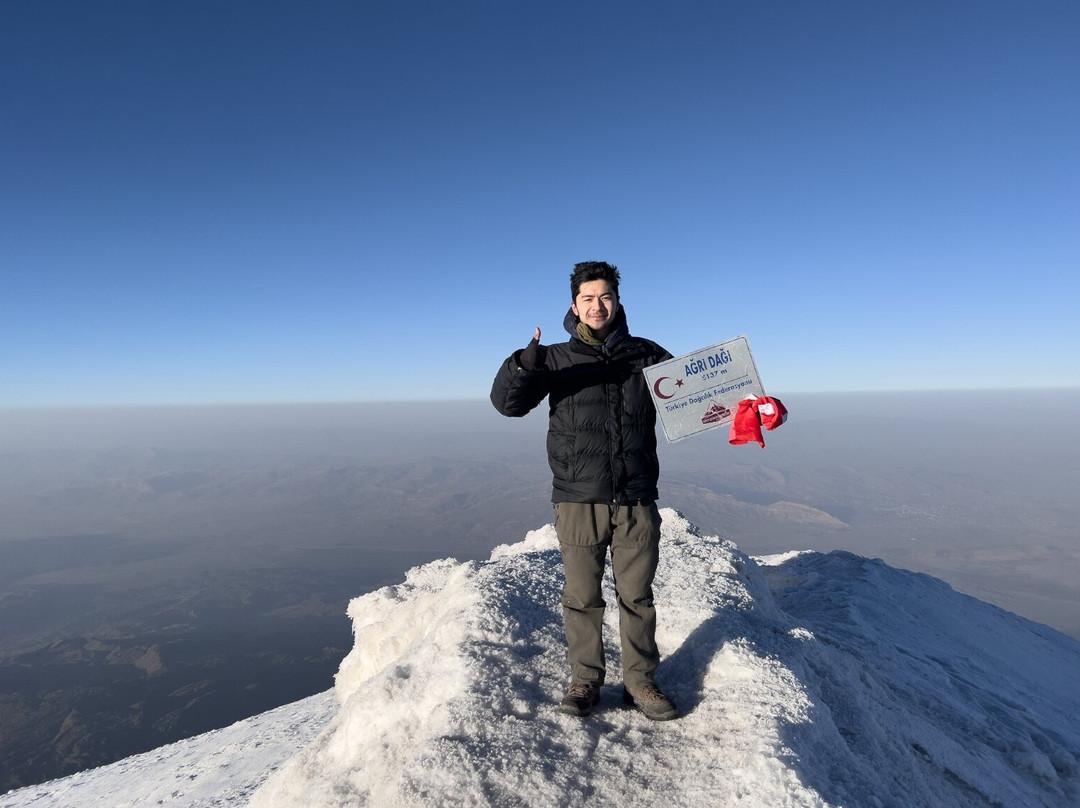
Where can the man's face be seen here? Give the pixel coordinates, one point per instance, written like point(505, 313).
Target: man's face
point(596, 305)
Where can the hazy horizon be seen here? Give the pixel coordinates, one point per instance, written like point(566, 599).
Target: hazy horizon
point(268, 404)
point(988, 434)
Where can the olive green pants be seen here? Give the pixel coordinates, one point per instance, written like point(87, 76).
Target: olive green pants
point(586, 533)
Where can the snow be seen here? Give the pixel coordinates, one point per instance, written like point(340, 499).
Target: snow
point(219, 768)
point(806, 679)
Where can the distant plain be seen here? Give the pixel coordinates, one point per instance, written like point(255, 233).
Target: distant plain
point(170, 570)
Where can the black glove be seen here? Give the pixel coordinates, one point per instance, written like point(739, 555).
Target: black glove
point(533, 355)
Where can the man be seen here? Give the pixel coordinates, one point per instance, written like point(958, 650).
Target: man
point(602, 450)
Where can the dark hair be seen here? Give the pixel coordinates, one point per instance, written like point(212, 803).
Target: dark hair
point(593, 271)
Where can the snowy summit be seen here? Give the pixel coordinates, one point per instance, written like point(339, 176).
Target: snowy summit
point(805, 679)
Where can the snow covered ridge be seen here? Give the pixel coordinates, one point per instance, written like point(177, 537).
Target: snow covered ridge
point(219, 768)
point(806, 679)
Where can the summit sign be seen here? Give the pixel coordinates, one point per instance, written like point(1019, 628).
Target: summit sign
point(701, 391)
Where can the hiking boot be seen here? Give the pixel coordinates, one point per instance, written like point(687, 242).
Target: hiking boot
point(650, 700)
point(580, 698)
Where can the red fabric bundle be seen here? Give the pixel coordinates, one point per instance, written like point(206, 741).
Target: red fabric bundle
point(753, 413)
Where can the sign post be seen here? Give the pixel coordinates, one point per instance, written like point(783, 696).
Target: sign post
point(701, 391)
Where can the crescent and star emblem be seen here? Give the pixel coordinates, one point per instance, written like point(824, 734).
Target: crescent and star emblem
point(656, 387)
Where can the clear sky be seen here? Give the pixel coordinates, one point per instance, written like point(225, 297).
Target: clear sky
point(304, 201)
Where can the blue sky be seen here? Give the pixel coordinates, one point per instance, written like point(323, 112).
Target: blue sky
point(206, 202)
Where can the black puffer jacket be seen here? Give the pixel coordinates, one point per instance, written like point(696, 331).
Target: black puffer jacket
point(602, 426)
